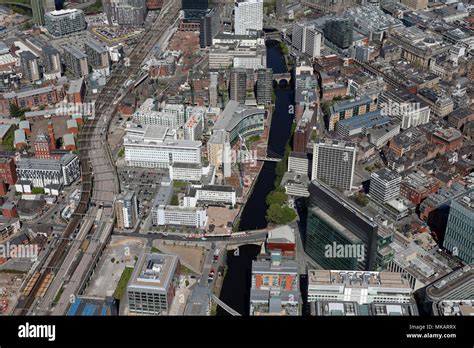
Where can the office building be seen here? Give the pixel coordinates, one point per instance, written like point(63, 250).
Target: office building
point(307, 40)
point(238, 85)
point(194, 10)
point(37, 9)
point(298, 162)
point(156, 147)
point(359, 287)
point(75, 61)
point(64, 22)
point(350, 108)
point(126, 12)
point(170, 215)
point(339, 235)
point(340, 32)
point(248, 16)
point(213, 89)
point(417, 186)
point(29, 66)
point(239, 122)
point(385, 185)
point(51, 60)
point(209, 27)
point(303, 131)
point(44, 172)
point(453, 287)
point(189, 172)
point(210, 195)
point(334, 162)
point(97, 54)
point(153, 284)
point(361, 124)
point(126, 210)
point(460, 228)
point(264, 86)
point(275, 287)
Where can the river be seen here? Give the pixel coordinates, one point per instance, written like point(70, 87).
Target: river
point(236, 288)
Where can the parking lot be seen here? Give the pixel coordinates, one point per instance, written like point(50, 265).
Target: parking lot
point(144, 182)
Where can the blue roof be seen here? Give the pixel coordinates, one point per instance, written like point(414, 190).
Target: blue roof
point(368, 120)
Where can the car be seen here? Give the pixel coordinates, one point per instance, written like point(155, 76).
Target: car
point(203, 238)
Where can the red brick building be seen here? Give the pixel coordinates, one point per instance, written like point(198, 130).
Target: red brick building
point(450, 138)
point(417, 186)
point(34, 98)
point(42, 146)
point(9, 210)
point(8, 170)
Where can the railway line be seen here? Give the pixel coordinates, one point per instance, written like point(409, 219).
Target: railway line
point(93, 138)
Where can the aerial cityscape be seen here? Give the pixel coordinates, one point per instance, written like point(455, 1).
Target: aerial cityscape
point(237, 158)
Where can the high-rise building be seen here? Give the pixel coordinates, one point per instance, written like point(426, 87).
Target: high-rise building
point(338, 235)
point(126, 210)
point(264, 86)
point(194, 10)
point(126, 12)
point(209, 27)
point(275, 287)
point(64, 22)
point(340, 32)
point(153, 284)
point(334, 163)
point(385, 185)
point(51, 62)
point(75, 61)
point(238, 85)
point(29, 66)
point(307, 39)
point(248, 16)
point(37, 8)
point(213, 89)
point(97, 54)
point(460, 229)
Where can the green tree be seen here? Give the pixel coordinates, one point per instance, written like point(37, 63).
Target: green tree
point(280, 215)
point(278, 196)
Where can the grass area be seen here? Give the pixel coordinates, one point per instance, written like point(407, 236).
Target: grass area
point(122, 284)
point(213, 309)
point(121, 153)
point(251, 140)
point(184, 270)
point(179, 184)
point(155, 250)
point(174, 199)
point(96, 7)
point(12, 271)
point(37, 190)
point(9, 140)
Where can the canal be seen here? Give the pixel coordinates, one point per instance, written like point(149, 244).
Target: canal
point(236, 288)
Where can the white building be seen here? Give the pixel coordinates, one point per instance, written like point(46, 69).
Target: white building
point(334, 162)
point(358, 286)
point(193, 127)
point(156, 147)
point(307, 40)
point(210, 195)
point(163, 215)
point(44, 172)
point(385, 185)
point(189, 171)
point(248, 16)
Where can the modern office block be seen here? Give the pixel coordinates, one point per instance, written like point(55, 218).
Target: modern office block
point(264, 86)
point(238, 85)
point(51, 60)
point(339, 235)
point(334, 162)
point(75, 61)
point(195, 10)
point(153, 284)
point(460, 228)
point(248, 16)
point(126, 12)
point(97, 54)
point(340, 32)
point(209, 27)
point(385, 185)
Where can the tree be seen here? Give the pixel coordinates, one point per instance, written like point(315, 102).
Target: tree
point(280, 215)
point(278, 196)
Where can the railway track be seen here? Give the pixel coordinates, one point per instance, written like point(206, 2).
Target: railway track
point(41, 279)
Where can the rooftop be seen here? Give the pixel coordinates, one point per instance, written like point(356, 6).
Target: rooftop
point(154, 271)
